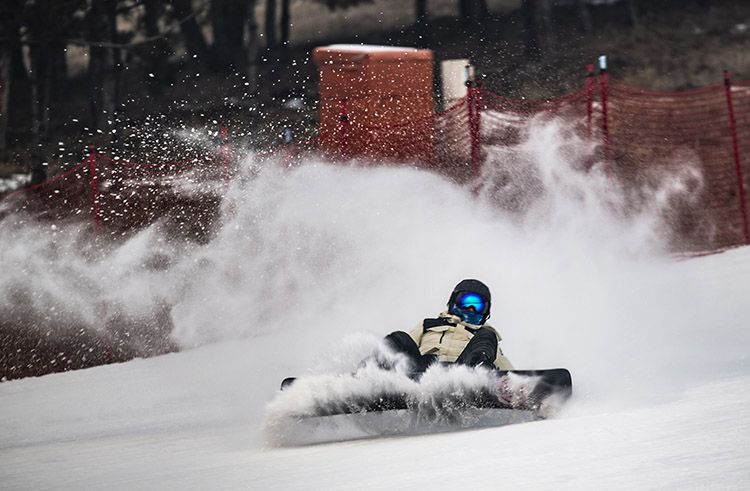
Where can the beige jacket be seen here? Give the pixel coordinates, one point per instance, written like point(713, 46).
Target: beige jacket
point(448, 341)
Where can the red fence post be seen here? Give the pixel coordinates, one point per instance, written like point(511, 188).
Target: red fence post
point(94, 182)
point(589, 98)
point(476, 149)
point(470, 107)
point(604, 87)
point(473, 101)
point(736, 154)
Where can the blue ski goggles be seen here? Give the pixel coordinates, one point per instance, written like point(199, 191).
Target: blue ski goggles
point(468, 302)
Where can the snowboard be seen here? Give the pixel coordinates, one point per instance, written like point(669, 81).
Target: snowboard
point(511, 397)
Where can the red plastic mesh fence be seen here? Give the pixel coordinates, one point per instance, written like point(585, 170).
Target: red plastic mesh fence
point(116, 196)
point(739, 98)
point(644, 138)
point(503, 118)
point(133, 195)
point(643, 135)
point(65, 196)
point(453, 140)
point(672, 131)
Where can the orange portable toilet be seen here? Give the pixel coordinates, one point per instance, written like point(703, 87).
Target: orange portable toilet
point(376, 102)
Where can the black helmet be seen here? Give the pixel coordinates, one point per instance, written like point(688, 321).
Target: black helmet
point(475, 287)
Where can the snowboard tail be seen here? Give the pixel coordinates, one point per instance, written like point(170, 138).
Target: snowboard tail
point(506, 397)
point(515, 389)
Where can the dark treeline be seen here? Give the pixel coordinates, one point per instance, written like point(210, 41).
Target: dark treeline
point(139, 34)
point(217, 36)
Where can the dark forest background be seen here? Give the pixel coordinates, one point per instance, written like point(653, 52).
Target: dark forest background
point(150, 64)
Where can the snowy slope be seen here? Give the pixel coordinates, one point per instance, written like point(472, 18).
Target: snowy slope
point(193, 420)
point(313, 266)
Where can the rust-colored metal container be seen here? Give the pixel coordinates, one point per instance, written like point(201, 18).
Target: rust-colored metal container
point(376, 102)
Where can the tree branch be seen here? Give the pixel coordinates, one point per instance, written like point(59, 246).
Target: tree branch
point(102, 44)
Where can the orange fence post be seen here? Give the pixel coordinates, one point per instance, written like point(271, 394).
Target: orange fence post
point(94, 182)
point(736, 155)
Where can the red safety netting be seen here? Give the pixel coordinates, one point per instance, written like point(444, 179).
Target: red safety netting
point(133, 195)
point(67, 195)
point(503, 120)
point(699, 137)
point(681, 131)
point(453, 140)
point(114, 195)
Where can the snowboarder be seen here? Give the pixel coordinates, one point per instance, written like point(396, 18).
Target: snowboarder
point(460, 335)
point(457, 335)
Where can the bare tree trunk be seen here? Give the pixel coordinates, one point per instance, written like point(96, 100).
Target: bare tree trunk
point(253, 43)
point(421, 23)
point(40, 34)
point(420, 11)
point(191, 31)
point(41, 78)
point(541, 35)
point(40, 98)
point(633, 12)
point(286, 21)
point(546, 20)
point(7, 31)
point(102, 62)
point(472, 12)
point(59, 62)
point(585, 15)
point(533, 48)
point(10, 58)
point(156, 56)
point(270, 24)
point(151, 14)
point(229, 28)
point(10, 11)
point(5, 80)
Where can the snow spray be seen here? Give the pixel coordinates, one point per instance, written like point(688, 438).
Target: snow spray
point(310, 255)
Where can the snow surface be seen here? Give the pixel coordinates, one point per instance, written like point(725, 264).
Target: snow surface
point(368, 48)
point(14, 182)
point(313, 265)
